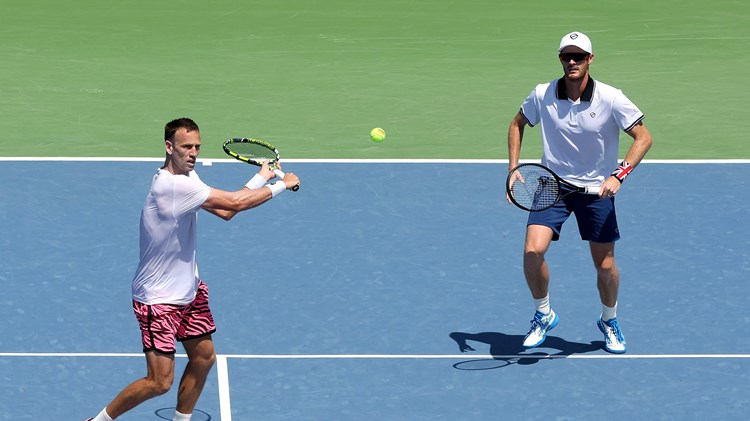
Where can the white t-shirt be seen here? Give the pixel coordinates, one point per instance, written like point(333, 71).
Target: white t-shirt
point(167, 272)
point(580, 138)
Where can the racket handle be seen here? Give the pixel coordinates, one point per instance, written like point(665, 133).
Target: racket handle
point(592, 190)
point(281, 175)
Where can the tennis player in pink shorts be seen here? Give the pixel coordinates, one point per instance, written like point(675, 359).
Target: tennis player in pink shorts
point(169, 299)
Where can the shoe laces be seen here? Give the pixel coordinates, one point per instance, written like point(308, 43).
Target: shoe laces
point(536, 322)
point(615, 328)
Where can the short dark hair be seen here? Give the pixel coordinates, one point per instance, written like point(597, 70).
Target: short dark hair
point(181, 123)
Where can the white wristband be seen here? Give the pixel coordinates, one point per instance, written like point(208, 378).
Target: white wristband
point(256, 182)
point(276, 188)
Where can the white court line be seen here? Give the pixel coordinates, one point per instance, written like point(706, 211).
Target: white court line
point(465, 356)
point(225, 357)
point(225, 406)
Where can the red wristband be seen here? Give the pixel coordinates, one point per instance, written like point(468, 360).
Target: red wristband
point(622, 171)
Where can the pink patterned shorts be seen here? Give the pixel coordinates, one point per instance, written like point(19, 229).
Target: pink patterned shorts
point(162, 324)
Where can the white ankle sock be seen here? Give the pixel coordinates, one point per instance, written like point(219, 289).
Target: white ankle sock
point(103, 416)
point(181, 417)
point(542, 305)
point(609, 313)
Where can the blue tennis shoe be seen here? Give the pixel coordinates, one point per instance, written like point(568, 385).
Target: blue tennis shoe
point(614, 341)
point(540, 325)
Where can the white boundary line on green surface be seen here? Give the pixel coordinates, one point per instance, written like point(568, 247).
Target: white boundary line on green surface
point(209, 161)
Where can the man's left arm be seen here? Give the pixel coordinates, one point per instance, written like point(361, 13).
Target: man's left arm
point(641, 144)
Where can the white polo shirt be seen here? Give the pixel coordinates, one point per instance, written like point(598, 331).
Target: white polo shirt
point(167, 272)
point(580, 138)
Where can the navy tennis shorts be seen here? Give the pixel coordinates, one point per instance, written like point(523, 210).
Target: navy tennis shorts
point(596, 217)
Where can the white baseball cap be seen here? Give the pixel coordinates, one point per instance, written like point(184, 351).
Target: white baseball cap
point(576, 39)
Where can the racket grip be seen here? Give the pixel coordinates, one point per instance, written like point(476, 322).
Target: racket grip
point(281, 175)
point(592, 190)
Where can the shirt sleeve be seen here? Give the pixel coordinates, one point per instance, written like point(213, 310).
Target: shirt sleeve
point(626, 114)
point(530, 108)
point(189, 194)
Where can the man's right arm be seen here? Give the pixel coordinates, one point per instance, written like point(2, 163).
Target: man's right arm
point(226, 204)
point(515, 137)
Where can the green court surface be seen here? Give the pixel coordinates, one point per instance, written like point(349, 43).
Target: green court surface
point(443, 78)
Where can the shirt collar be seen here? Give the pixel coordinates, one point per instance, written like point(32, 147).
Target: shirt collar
point(586, 95)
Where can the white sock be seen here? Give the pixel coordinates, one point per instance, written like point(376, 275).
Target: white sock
point(103, 416)
point(542, 305)
point(181, 417)
point(609, 313)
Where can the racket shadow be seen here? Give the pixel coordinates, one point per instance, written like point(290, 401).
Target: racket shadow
point(508, 349)
point(168, 414)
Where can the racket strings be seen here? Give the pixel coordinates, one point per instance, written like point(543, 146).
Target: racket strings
point(252, 151)
point(539, 190)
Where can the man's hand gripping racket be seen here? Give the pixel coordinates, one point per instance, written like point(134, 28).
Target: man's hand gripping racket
point(534, 187)
point(256, 152)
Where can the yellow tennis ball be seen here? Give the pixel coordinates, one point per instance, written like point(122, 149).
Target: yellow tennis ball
point(377, 134)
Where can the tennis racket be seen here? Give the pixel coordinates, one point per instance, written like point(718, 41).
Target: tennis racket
point(256, 152)
point(534, 187)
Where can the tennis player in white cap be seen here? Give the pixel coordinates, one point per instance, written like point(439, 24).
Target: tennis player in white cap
point(581, 120)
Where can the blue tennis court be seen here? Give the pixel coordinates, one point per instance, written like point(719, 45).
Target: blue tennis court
point(354, 298)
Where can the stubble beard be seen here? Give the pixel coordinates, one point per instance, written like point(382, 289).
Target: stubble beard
point(576, 75)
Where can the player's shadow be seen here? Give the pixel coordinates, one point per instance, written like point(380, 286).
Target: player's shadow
point(507, 350)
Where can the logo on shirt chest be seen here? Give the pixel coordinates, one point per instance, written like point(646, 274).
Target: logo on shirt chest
point(585, 121)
